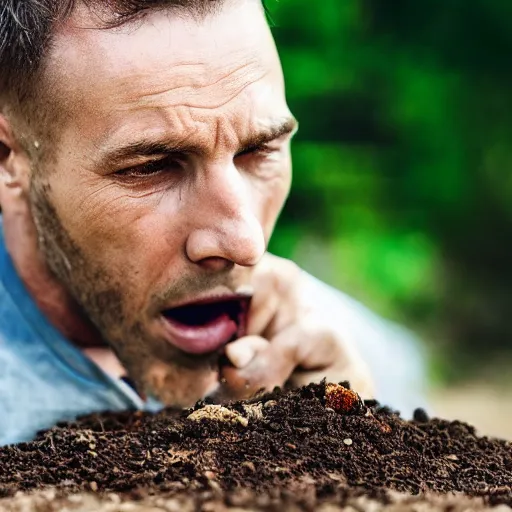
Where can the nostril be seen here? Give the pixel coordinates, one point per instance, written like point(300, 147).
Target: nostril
point(4, 151)
point(216, 264)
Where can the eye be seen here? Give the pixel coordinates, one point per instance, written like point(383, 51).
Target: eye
point(262, 150)
point(152, 168)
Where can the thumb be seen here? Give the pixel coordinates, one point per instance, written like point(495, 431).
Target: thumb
point(242, 351)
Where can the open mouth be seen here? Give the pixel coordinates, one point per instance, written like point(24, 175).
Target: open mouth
point(206, 326)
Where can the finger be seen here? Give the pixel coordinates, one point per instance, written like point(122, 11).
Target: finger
point(272, 364)
point(324, 354)
point(274, 281)
point(303, 353)
point(264, 306)
point(242, 351)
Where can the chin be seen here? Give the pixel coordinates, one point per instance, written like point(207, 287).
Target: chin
point(180, 386)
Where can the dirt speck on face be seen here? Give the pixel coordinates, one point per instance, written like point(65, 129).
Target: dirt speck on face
point(286, 451)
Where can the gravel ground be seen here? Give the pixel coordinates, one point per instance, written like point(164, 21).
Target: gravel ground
point(49, 500)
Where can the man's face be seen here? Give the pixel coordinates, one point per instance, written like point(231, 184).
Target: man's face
point(170, 166)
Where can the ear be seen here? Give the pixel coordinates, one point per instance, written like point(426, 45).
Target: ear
point(14, 161)
point(20, 232)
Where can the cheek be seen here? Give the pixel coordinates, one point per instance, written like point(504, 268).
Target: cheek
point(130, 235)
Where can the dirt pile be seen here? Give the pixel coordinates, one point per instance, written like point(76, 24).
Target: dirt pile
point(318, 446)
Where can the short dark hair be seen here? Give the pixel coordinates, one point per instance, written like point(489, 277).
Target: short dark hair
point(26, 28)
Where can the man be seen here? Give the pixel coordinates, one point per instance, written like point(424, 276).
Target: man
point(144, 158)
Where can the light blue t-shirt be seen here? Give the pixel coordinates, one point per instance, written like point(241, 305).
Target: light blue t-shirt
point(44, 379)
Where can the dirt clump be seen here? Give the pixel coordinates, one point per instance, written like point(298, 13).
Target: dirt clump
point(318, 446)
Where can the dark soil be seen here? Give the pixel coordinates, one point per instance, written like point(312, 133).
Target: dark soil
point(302, 447)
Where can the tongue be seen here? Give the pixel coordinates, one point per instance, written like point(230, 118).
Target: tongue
point(201, 339)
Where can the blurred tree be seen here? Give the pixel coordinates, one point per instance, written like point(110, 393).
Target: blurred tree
point(403, 184)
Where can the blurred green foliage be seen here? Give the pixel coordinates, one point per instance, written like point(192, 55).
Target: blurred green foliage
point(402, 190)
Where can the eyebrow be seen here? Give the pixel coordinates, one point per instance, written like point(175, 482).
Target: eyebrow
point(146, 148)
point(286, 127)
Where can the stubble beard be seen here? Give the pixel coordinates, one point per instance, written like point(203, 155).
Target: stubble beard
point(154, 366)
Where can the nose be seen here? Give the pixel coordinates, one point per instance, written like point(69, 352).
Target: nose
point(226, 229)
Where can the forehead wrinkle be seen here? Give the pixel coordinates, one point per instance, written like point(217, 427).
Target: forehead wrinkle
point(183, 119)
point(128, 89)
point(200, 93)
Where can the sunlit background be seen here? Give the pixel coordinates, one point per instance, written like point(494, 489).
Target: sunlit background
point(403, 183)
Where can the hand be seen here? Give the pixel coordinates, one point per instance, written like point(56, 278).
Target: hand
point(290, 339)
